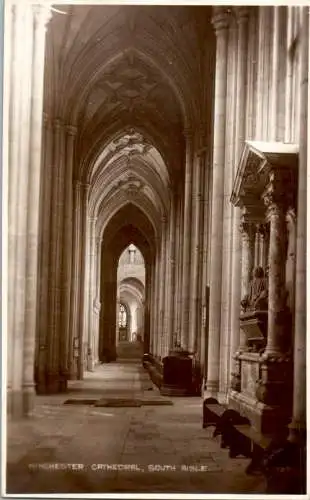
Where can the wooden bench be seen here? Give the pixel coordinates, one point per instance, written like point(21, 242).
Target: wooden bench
point(212, 412)
point(154, 370)
point(252, 444)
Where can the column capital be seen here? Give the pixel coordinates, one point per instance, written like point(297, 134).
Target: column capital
point(221, 18)
point(242, 13)
point(58, 124)
point(71, 130)
point(42, 14)
point(85, 186)
point(276, 196)
point(188, 133)
point(164, 220)
point(291, 214)
point(261, 229)
point(246, 228)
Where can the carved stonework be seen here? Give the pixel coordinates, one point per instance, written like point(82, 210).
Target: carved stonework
point(274, 386)
point(221, 19)
point(236, 382)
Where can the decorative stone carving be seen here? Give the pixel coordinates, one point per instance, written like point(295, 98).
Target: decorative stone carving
point(273, 388)
point(264, 174)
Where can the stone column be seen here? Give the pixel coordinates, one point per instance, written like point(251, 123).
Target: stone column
point(117, 311)
point(12, 83)
point(75, 283)
point(187, 233)
point(228, 209)
point(91, 291)
point(163, 284)
point(247, 229)
point(194, 330)
point(41, 17)
point(157, 301)
point(205, 257)
point(257, 245)
point(242, 14)
point(261, 245)
point(178, 261)
point(83, 268)
point(298, 425)
point(43, 308)
point(273, 109)
point(288, 78)
point(19, 173)
point(220, 21)
point(54, 338)
point(67, 244)
point(276, 213)
point(96, 302)
point(172, 273)
point(153, 307)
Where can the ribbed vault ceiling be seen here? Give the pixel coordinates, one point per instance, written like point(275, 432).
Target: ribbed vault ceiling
point(131, 79)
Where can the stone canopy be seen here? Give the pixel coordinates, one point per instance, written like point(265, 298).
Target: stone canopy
point(257, 161)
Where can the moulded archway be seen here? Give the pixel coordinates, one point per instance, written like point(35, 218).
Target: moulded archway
point(129, 225)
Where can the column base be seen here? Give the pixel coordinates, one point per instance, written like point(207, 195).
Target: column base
point(212, 389)
point(90, 364)
point(20, 403)
point(52, 383)
point(222, 397)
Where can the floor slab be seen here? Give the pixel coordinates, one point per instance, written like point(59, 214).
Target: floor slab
point(152, 448)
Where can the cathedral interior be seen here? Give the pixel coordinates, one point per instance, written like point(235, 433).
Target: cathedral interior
point(155, 158)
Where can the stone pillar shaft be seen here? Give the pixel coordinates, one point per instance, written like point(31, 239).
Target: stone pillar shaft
point(228, 210)
point(156, 302)
point(256, 246)
point(277, 258)
point(179, 253)
point(172, 274)
point(221, 24)
point(67, 244)
point(241, 108)
point(24, 82)
point(43, 312)
point(298, 424)
point(247, 255)
point(96, 302)
point(196, 254)
point(91, 292)
point(83, 267)
point(74, 302)
point(19, 159)
point(187, 233)
point(288, 78)
point(162, 286)
point(274, 73)
point(206, 219)
point(33, 200)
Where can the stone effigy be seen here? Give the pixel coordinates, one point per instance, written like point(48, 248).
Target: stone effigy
point(257, 297)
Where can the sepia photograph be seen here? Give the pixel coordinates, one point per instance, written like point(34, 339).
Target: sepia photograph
point(154, 249)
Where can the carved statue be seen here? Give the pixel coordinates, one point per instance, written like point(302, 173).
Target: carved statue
point(257, 297)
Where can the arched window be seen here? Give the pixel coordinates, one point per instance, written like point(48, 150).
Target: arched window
point(122, 317)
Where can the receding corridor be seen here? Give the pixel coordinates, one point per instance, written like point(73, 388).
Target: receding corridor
point(156, 162)
point(152, 434)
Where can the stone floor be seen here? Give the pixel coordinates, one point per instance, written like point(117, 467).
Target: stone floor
point(151, 448)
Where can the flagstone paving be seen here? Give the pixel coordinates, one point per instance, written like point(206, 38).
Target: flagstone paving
point(144, 449)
